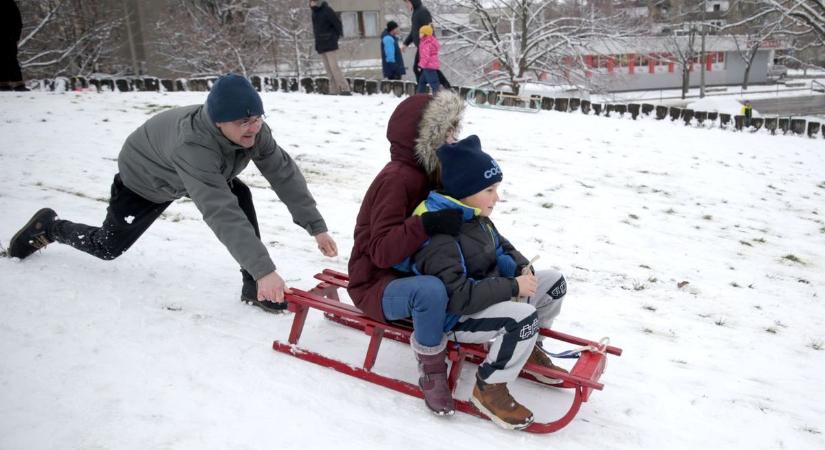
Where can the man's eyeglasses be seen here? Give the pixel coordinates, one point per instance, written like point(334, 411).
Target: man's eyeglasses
point(249, 122)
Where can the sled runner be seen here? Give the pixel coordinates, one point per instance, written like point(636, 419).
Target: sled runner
point(582, 379)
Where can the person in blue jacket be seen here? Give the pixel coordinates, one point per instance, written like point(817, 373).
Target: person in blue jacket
point(391, 61)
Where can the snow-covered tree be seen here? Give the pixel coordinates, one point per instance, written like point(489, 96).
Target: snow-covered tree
point(507, 42)
point(683, 53)
point(800, 23)
point(67, 37)
point(201, 37)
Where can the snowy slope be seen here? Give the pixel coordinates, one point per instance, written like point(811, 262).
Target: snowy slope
point(154, 350)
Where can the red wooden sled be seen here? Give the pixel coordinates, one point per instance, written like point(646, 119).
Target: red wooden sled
point(583, 378)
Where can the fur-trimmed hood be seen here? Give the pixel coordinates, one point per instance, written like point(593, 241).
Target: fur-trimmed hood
point(420, 124)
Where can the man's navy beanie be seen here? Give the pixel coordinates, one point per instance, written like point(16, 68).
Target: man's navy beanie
point(466, 169)
point(232, 97)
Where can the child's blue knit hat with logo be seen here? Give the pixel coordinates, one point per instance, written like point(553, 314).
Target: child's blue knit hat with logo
point(466, 169)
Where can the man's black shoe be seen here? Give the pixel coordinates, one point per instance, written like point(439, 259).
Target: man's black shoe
point(249, 295)
point(34, 235)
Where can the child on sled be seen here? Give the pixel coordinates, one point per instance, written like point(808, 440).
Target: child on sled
point(494, 295)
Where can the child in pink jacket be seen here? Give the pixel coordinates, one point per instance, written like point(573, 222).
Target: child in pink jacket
point(428, 59)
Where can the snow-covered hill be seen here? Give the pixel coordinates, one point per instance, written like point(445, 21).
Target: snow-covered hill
point(154, 350)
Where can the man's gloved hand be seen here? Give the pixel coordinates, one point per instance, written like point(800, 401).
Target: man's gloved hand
point(446, 221)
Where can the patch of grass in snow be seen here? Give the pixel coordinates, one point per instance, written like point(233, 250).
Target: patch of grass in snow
point(760, 240)
point(153, 108)
point(649, 308)
point(547, 205)
point(771, 330)
point(637, 286)
point(670, 211)
point(812, 430)
point(793, 258)
point(746, 243)
point(721, 322)
point(821, 185)
point(707, 217)
point(816, 344)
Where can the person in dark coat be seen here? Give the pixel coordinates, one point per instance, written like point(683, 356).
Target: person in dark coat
point(420, 16)
point(11, 26)
point(386, 235)
point(392, 63)
point(327, 29)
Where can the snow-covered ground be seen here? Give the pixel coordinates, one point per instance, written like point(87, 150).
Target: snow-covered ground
point(788, 88)
point(154, 350)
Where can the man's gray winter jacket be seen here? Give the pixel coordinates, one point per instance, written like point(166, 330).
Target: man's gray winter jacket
point(180, 152)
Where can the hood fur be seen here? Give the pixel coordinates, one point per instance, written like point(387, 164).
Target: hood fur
point(440, 115)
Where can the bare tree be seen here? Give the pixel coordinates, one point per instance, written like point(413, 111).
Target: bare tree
point(511, 41)
point(749, 36)
point(682, 48)
point(290, 30)
point(67, 37)
point(807, 14)
point(214, 36)
point(801, 23)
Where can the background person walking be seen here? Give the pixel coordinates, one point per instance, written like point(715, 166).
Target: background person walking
point(11, 25)
point(327, 29)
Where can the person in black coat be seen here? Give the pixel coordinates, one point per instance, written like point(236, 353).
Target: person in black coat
point(420, 16)
point(327, 29)
point(11, 25)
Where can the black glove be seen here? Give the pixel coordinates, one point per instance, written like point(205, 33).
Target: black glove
point(446, 221)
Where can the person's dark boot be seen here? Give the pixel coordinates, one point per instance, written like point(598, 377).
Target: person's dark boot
point(34, 235)
point(432, 369)
point(249, 295)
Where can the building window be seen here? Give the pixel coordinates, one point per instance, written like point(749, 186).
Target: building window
point(369, 19)
point(350, 21)
point(359, 24)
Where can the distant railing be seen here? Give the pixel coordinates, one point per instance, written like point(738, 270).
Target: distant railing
point(475, 96)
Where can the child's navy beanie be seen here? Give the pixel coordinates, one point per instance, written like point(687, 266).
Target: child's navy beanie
point(466, 169)
point(232, 97)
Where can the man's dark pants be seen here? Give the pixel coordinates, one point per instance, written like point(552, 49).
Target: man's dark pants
point(128, 216)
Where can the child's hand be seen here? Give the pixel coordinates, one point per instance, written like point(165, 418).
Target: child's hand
point(527, 285)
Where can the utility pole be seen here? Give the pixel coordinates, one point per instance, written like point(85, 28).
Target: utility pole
point(702, 56)
point(130, 37)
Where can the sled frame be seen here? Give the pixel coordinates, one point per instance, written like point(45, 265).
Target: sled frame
point(531, 104)
point(582, 379)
